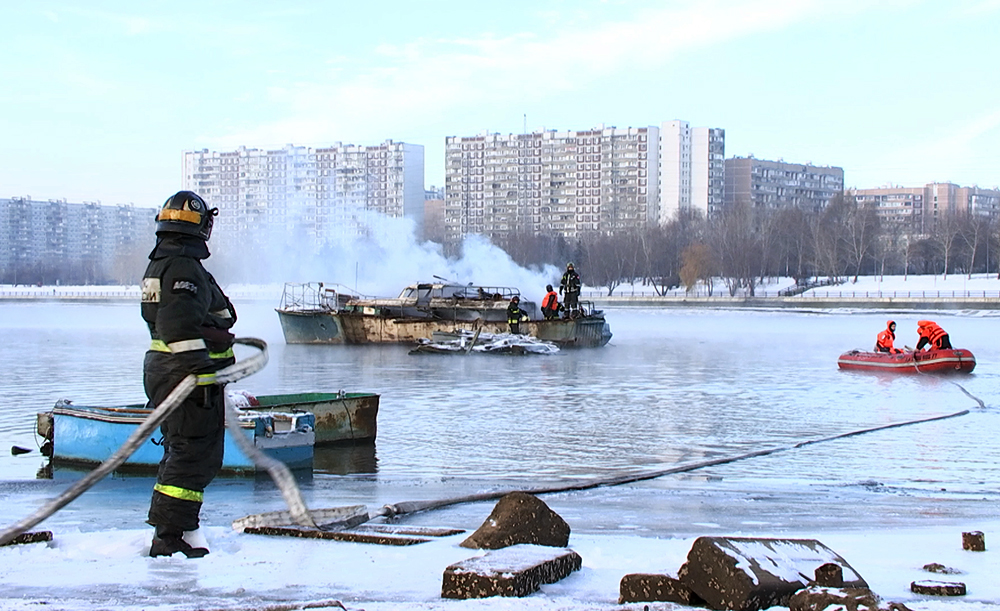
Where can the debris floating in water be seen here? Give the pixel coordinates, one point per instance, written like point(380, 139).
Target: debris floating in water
point(463, 341)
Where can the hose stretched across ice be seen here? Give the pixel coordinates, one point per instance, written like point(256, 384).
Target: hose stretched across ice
point(408, 507)
point(282, 477)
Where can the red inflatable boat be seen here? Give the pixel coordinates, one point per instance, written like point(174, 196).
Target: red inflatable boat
point(934, 361)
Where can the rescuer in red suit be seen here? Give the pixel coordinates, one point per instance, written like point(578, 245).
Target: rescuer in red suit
point(931, 334)
point(886, 338)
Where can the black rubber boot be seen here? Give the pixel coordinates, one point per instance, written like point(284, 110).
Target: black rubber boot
point(169, 544)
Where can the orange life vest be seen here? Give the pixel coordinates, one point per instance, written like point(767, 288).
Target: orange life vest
point(884, 341)
point(551, 301)
point(932, 331)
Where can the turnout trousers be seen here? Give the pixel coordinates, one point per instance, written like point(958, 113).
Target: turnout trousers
point(193, 439)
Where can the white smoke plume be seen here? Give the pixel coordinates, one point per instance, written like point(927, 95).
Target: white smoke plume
point(381, 259)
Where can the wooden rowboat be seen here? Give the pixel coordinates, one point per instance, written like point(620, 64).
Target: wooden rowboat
point(285, 427)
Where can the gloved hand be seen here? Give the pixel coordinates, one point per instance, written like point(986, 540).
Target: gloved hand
point(206, 379)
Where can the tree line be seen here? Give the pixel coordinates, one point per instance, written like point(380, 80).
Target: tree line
point(744, 245)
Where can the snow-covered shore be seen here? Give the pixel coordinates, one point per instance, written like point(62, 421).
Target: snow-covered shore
point(108, 570)
point(953, 284)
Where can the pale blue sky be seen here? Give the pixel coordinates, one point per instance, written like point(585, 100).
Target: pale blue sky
point(99, 99)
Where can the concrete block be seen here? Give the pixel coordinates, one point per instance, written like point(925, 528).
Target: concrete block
point(938, 588)
point(974, 541)
point(517, 570)
point(654, 587)
point(747, 574)
point(818, 598)
point(519, 518)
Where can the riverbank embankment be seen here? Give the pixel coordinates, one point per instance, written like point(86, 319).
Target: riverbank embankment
point(980, 292)
point(845, 300)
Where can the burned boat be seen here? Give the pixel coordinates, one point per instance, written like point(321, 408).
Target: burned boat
point(315, 313)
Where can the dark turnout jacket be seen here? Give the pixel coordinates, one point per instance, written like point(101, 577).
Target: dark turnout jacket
point(188, 317)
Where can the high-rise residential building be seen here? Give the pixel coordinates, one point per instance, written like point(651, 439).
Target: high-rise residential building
point(56, 241)
point(568, 183)
point(917, 208)
point(898, 206)
point(692, 169)
point(320, 195)
point(777, 184)
point(983, 202)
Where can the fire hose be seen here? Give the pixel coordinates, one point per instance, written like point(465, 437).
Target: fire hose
point(277, 470)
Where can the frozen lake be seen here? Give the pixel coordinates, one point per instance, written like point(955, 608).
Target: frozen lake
point(673, 387)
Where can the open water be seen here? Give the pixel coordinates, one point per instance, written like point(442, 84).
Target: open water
point(673, 387)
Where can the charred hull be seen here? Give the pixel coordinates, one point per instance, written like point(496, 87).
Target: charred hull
point(358, 328)
point(315, 313)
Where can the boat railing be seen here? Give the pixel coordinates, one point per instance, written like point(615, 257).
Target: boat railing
point(312, 296)
point(485, 293)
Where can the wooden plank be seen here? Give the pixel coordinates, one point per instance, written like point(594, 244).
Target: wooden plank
point(35, 537)
point(400, 529)
point(343, 535)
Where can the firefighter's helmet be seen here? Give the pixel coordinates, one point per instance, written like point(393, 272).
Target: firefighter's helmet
point(186, 212)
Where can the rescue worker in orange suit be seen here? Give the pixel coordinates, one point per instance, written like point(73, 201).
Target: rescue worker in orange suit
point(515, 315)
point(932, 335)
point(886, 338)
point(189, 318)
point(550, 304)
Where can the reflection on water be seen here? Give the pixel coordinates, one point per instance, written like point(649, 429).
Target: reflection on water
point(673, 387)
point(346, 459)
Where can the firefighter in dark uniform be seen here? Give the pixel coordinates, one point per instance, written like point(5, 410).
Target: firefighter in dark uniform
point(515, 315)
point(189, 319)
point(570, 289)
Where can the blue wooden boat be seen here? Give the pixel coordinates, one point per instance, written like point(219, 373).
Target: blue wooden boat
point(87, 435)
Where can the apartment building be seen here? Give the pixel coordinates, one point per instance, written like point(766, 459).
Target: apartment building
point(777, 184)
point(692, 170)
point(899, 206)
point(916, 209)
point(568, 183)
point(321, 195)
point(56, 241)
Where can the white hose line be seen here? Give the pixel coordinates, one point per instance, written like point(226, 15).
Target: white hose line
point(139, 436)
point(278, 471)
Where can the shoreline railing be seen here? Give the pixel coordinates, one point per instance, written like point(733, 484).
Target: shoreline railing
point(700, 294)
point(811, 294)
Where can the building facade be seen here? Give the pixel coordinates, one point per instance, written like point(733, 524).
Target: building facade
point(58, 242)
point(917, 209)
point(319, 195)
point(567, 183)
point(692, 170)
point(776, 184)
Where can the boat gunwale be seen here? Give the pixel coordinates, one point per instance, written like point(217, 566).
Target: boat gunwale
point(955, 359)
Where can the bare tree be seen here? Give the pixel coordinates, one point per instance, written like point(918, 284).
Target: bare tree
point(861, 232)
point(699, 264)
point(828, 237)
point(738, 248)
point(946, 233)
point(974, 231)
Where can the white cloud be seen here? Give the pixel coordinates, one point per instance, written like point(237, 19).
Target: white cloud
point(427, 79)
